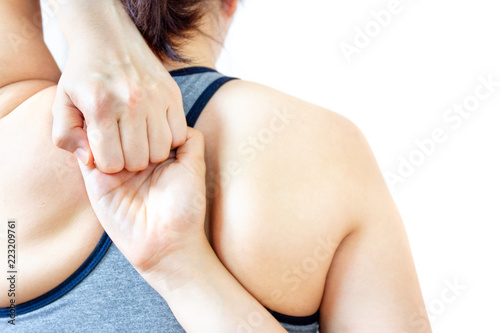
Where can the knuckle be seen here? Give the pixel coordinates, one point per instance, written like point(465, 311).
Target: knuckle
point(110, 165)
point(171, 92)
point(58, 140)
point(134, 95)
point(59, 137)
point(150, 82)
point(137, 165)
point(101, 121)
point(159, 156)
point(96, 97)
point(198, 135)
point(175, 93)
point(98, 106)
point(168, 140)
point(129, 104)
point(179, 139)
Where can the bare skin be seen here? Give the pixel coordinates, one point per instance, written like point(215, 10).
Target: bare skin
point(303, 221)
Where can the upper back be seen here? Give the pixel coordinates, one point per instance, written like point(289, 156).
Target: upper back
point(276, 184)
point(301, 215)
point(58, 221)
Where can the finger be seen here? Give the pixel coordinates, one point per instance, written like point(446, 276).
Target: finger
point(67, 128)
point(86, 170)
point(194, 148)
point(100, 183)
point(159, 137)
point(177, 122)
point(105, 144)
point(134, 138)
point(107, 191)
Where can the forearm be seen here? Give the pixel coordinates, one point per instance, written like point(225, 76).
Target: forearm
point(205, 297)
point(101, 22)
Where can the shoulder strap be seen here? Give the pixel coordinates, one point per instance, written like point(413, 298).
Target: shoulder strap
point(204, 98)
point(198, 85)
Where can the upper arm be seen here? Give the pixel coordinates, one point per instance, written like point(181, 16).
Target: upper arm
point(24, 57)
point(301, 216)
point(372, 284)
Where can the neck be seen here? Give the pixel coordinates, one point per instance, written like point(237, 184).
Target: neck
point(198, 55)
point(204, 48)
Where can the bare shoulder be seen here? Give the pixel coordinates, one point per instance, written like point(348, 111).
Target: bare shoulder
point(283, 182)
point(262, 123)
point(267, 108)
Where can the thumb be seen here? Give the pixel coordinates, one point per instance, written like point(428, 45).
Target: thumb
point(86, 170)
point(67, 128)
point(193, 149)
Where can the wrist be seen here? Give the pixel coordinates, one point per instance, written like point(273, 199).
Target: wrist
point(187, 261)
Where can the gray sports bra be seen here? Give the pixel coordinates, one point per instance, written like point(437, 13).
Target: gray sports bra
point(106, 294)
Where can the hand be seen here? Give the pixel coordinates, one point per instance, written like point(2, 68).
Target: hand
point(115, 86)
point(156, 219)
point(155, 212)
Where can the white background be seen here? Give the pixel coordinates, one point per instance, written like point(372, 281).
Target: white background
point(397, 90)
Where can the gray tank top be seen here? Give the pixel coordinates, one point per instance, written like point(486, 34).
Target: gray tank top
point(106, 294)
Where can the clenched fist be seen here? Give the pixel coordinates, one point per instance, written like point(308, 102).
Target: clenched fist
point(116, 104)
point(157, 212)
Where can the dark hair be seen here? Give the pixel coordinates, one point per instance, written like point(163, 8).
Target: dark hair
point(164, 24)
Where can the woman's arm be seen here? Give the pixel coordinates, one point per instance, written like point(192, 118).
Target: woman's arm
point(26, 65)
point(156, 218)
point(301, 222)
point(132, 106)
point(226, 305)
point(112, 81)
point(372, 284)
point(301, 215)
point(204, 296)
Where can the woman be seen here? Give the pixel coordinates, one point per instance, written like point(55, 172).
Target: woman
point(281, 220)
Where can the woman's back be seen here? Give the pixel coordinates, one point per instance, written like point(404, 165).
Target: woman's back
point(43, 190)
point(298, 211)
point(55, 248)
point(287, 182)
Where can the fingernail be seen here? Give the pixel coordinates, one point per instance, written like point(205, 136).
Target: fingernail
point(82, 155)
